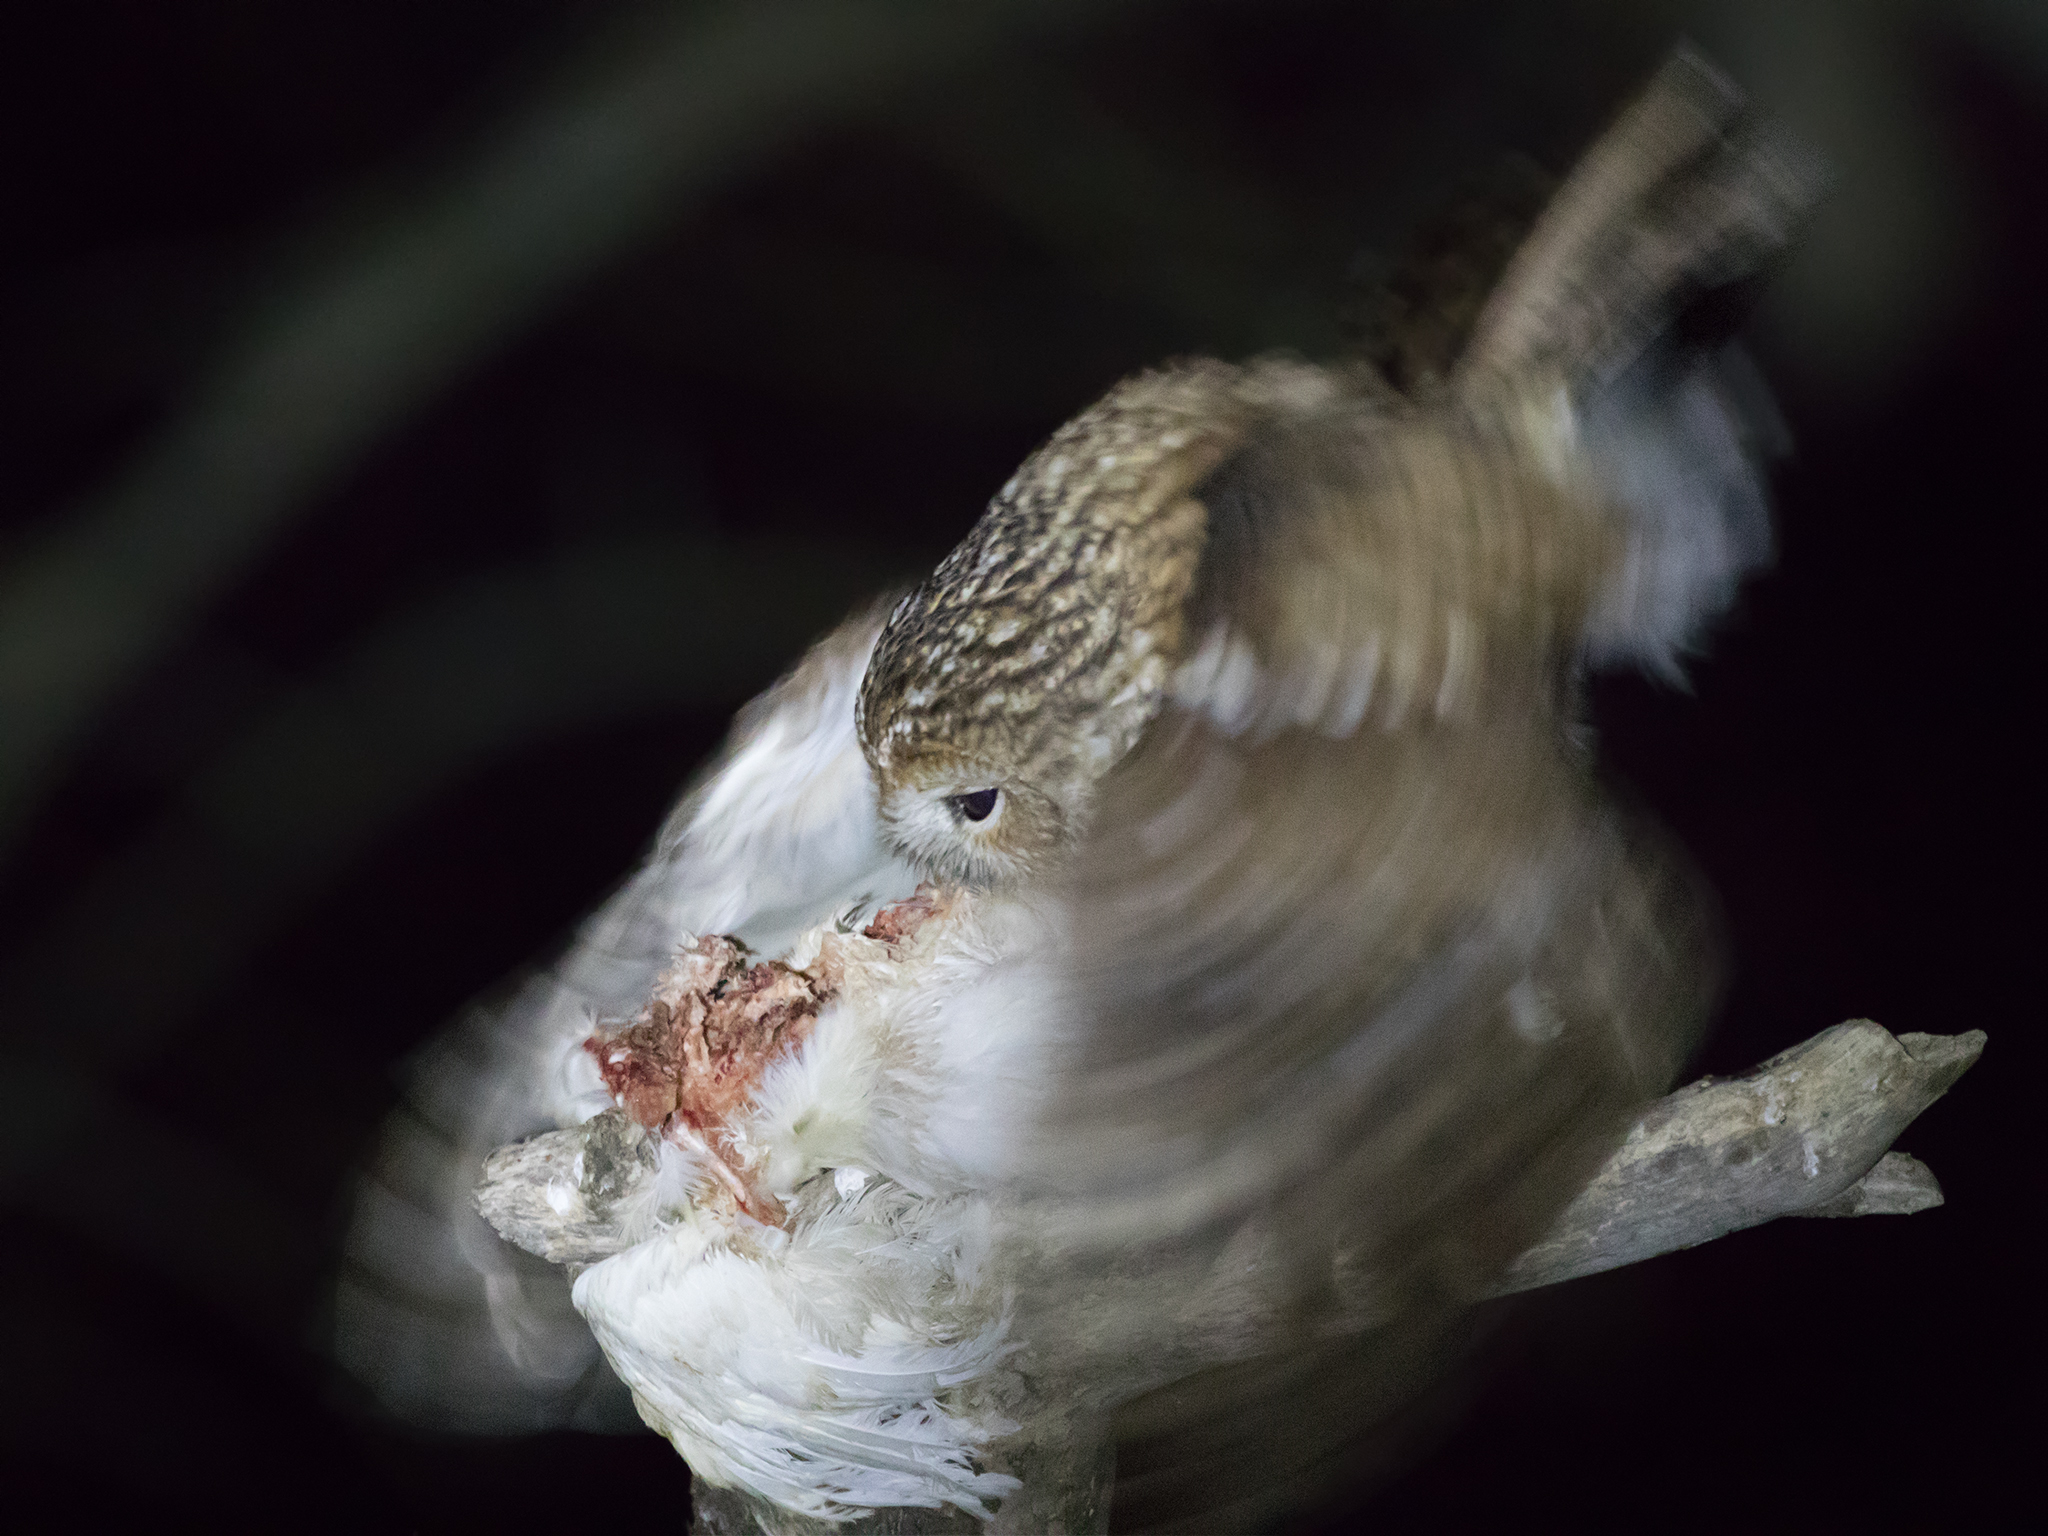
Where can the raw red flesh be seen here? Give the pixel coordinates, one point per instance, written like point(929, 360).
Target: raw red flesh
point(700, 1046)
point(693, 1058)
point(900, 922)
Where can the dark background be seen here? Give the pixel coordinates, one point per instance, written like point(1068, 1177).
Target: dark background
point(402, 479)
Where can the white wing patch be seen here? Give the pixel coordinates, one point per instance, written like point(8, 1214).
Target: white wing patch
point(1330, 690)
point(1682, 458)
point(785, 832)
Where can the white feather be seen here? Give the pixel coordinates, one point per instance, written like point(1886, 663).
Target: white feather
point(850, 1366)
point(1681, 457)
point(779, 837)
point(853, 1363)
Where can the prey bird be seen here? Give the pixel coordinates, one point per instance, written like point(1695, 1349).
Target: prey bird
point(1183, 943)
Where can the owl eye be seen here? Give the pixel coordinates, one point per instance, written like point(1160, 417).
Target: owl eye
point(975, 806)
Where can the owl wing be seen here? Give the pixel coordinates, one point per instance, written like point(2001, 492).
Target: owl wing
point(440, 1318)
point(1356, 1018)
point(1367, 974)
point(1589, 483)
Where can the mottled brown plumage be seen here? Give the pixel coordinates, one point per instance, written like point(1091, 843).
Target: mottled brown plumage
point(1280, 545)
point(1289, 965)
point(1270, 673)
point(1043, 645)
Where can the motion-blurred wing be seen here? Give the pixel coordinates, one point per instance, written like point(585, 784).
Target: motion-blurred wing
point(1588, 484)
point(445, 1322)
point(1361, 1016)
point(1368, 973)
point(1685, 196)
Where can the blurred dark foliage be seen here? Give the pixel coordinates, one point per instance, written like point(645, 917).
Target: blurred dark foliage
point(394, 747)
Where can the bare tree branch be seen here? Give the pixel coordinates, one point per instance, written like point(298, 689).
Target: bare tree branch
point(1803, 1135)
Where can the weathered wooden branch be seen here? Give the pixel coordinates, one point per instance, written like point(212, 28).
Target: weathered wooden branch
point(1806, 1134)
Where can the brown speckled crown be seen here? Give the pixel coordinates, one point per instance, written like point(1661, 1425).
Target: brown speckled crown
point(1054, 625)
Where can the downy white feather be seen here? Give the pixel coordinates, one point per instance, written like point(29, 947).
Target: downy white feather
point(444, 1321)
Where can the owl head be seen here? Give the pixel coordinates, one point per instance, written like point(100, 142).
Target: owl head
point(1026, 666)
point(983, 766)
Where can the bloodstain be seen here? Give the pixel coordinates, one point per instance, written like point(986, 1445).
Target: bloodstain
point(689, 1064)
point(899, 922)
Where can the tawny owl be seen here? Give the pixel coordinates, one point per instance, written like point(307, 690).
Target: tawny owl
point(1184, 935)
